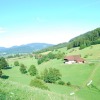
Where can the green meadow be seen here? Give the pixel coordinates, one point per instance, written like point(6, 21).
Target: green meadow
point(77, 74)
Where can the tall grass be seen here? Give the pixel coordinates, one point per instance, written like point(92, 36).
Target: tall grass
point(13, 91)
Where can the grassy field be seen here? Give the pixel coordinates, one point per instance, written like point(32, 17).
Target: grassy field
point(92, 52)
point(14, 91)
point(77, 74)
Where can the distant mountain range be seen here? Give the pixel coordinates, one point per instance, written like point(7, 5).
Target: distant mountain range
point(27, 48)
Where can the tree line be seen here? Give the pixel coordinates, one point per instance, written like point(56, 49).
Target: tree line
point(85, 40)
point(44, 58)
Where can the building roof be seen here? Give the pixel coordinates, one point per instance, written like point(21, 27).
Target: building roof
point(76, 58)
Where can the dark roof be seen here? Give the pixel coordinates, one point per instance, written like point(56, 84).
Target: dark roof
point(74, 58)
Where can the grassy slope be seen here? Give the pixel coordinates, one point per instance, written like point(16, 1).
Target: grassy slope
point(93, 51)
point(14, 91)
point(77, 74)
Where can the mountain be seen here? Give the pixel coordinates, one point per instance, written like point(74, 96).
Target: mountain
point(27, 48)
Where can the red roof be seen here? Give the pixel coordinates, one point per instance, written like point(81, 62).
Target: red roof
point(76, 58)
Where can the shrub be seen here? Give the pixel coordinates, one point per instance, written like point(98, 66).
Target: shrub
point(39, 61)
point(85, 56)
point(16, 63)
point(68, 83)
point(38, 83)
point(23, 69)
point(61, 82)
point(32, 70)
point(0, 73)
point(38, 77)
point(3, 63)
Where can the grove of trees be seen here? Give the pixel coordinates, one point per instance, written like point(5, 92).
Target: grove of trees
point(50, 56)
point(51, 75)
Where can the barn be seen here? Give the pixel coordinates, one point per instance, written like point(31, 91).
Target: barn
point(73, 59)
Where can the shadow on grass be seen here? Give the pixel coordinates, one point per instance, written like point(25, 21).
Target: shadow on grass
point(7, 68)
point(4, 77)
point(94, 88)
point(97, 89)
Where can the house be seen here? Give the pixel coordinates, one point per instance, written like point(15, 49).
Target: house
point(73, 59)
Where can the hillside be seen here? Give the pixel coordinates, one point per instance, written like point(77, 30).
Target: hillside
point(85, 40)
point(77, 74)
point(27, 48)
point(13, 91)
point(55, 47)
point(82, 41)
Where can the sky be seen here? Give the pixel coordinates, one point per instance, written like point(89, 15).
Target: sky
point(46, 21)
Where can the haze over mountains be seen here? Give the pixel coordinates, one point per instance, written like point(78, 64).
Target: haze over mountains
point(27, 48)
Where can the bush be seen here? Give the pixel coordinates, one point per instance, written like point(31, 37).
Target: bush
point(60, 55)
point(68, 83)
point(32, 70)
point(3, 63)
point(0, 73)
point(38, 83)
point(16, 63)
point(23, 69)
point(86, 56)
point(38, 76)
point(61, 82)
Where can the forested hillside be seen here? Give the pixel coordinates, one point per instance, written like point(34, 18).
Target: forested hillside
point(84, 40)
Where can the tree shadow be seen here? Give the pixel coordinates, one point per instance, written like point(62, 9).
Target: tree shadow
point(7, 68)
point(94, 88)
point(4, 77)
point(97, 89)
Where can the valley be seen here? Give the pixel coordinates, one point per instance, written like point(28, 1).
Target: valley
point(77, 74)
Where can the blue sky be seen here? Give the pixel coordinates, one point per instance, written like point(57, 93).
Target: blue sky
point(49, 21)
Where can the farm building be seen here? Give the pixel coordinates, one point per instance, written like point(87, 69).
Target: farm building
point(73, 59)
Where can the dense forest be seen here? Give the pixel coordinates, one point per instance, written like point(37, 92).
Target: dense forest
point(85, 40)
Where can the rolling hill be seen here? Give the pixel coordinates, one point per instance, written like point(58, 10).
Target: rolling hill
point(27, 48)
point(78, 74)
point(16, 87)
